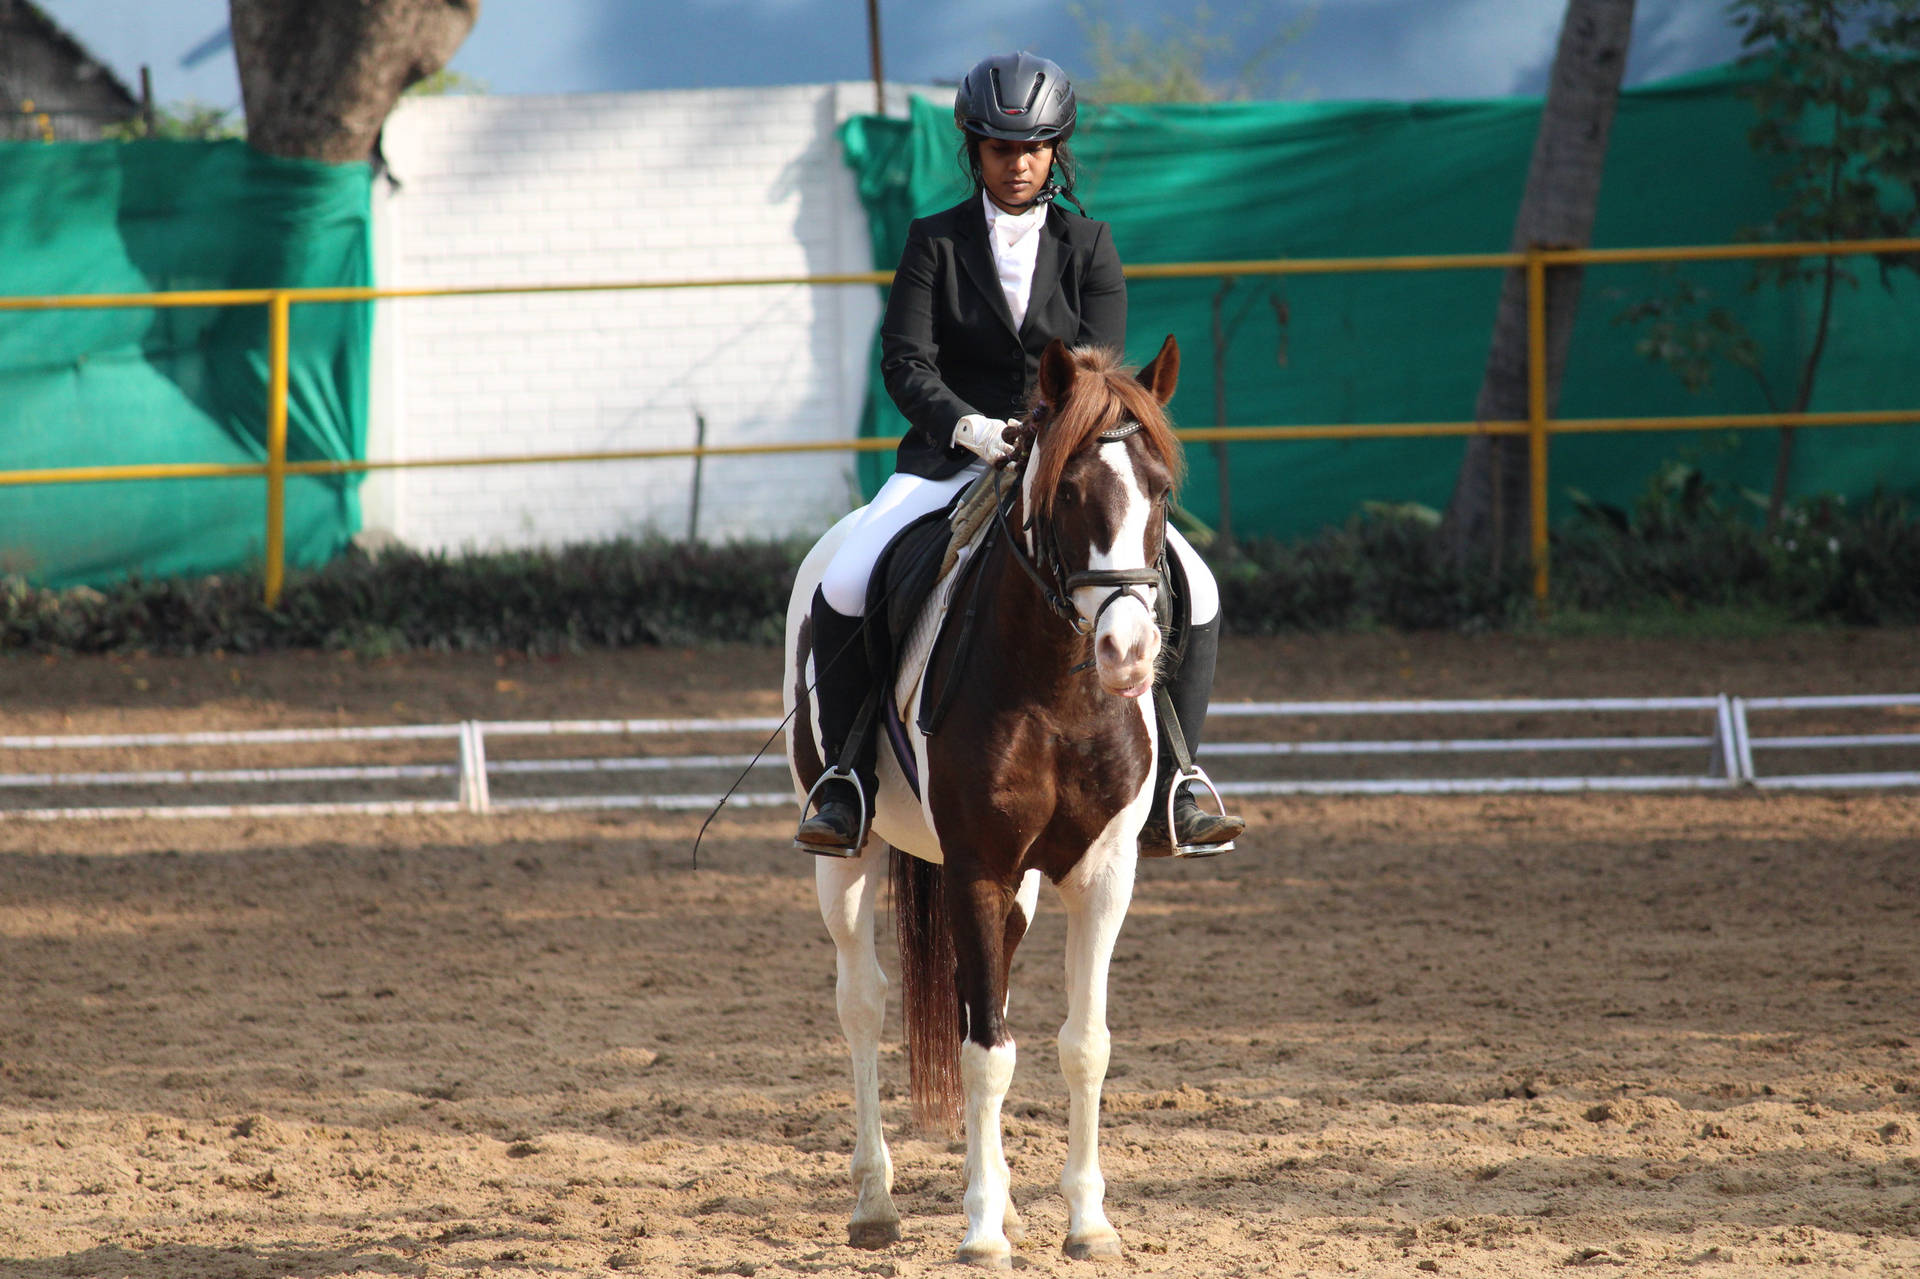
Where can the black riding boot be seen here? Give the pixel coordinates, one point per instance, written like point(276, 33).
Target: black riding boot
point(1196, 832)
point(843, 678)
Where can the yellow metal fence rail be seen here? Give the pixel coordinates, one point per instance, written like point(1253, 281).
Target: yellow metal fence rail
point(1538, 426)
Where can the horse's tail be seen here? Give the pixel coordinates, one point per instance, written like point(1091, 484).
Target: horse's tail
point(929, 999)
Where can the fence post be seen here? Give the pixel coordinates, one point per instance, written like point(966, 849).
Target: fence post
point(1537, 416)
point(279, 325)
point(1743, 741)
point(475, 795)
point(1726, 743)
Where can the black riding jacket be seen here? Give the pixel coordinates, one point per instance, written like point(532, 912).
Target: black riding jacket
point(948, 346)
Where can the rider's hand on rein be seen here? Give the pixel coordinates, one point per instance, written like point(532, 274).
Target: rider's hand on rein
point(1019, 437)
point(985, 436)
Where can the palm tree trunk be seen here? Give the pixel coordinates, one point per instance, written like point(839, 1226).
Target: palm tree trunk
point(318, 80)
point(1490, 511)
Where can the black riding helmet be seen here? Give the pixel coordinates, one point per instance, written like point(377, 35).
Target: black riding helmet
point(1019, 97)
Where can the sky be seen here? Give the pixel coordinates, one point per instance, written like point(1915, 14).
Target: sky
point(1398, 49)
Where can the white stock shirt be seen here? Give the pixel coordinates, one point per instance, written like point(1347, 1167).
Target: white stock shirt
point(1015, 240)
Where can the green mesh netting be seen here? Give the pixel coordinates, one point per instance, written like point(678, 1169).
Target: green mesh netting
point(1266, 180)
point(144, 385)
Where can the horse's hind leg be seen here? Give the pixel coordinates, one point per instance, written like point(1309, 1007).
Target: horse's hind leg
point(1095, 909)
point(847, 888)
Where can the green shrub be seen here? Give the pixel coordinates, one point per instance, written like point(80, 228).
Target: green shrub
point(1387, 567)
point(1869, 562)
point(604, 595)
point(1681, 551)
point(1682, 547)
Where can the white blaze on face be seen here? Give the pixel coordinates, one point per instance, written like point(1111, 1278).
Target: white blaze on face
point(1126, 644)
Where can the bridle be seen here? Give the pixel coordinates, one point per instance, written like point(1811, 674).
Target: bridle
point(1049, 571)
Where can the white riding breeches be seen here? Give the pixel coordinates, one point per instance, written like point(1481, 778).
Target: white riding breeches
point(900, 501)
point(1203, 593)
point(905, 498)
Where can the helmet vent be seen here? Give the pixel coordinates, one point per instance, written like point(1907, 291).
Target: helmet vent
point(1000, 99)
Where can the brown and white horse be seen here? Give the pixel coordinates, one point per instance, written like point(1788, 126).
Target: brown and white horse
point(1041, 766)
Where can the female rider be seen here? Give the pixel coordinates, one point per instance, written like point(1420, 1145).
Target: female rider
point(981, 290)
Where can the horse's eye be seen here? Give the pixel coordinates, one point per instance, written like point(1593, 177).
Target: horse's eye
point(1068, 496)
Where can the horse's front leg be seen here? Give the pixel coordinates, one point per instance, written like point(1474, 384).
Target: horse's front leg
point(979, 911)
point(1025, 903)
point(1096, 900)
point(847, 888)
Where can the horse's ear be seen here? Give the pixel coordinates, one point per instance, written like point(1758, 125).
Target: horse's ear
point(1161, 376)
point(1056, 374)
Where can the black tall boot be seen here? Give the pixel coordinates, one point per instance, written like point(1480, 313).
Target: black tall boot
point(1196, 832)
point(843, 680)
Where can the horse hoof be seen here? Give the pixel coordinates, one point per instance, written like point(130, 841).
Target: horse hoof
point(986, 1256)
point(873, 1234)
point(1101, 1247)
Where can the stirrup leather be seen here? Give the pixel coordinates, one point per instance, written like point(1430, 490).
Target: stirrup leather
point(1185, 772)
point(838, 773)
point(1185, 778)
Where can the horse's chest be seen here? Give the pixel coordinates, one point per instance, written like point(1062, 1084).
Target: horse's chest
point(1041, 773)
point(1103, 769)
point(1092, 760)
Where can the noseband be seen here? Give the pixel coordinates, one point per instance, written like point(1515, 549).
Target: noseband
point(1124, 581)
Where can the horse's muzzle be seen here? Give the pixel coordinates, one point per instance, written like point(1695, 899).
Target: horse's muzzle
point(1126, 651)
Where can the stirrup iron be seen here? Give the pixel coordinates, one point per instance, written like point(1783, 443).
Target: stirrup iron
point(1185, 778)
point(832, 774)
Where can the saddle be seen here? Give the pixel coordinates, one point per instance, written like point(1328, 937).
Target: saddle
point(913, 580)
point(903, 578)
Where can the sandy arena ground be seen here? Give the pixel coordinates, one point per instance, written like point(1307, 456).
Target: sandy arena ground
point(1661, 1035)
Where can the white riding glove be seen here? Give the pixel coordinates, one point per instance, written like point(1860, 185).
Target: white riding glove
point(985, 436)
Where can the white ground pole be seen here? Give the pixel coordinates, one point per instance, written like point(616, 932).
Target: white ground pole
point(1729, 743)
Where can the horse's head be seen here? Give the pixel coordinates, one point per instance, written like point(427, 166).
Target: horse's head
point(1104, 466)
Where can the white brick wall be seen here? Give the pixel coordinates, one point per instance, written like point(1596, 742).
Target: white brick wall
point(607, 188)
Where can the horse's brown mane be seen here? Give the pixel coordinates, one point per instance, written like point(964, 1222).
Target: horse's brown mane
point(1105, 395)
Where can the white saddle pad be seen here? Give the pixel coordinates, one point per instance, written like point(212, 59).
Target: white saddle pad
point(910, 664)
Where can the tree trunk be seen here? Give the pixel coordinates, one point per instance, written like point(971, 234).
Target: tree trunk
point(1803, 396)
point(318, 77)
point(1490, 511)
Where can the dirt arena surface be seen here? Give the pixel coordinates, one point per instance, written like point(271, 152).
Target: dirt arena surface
point(1639, 1035)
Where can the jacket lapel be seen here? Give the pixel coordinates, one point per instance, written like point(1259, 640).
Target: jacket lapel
point(976, 259)
point(1046, 268)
